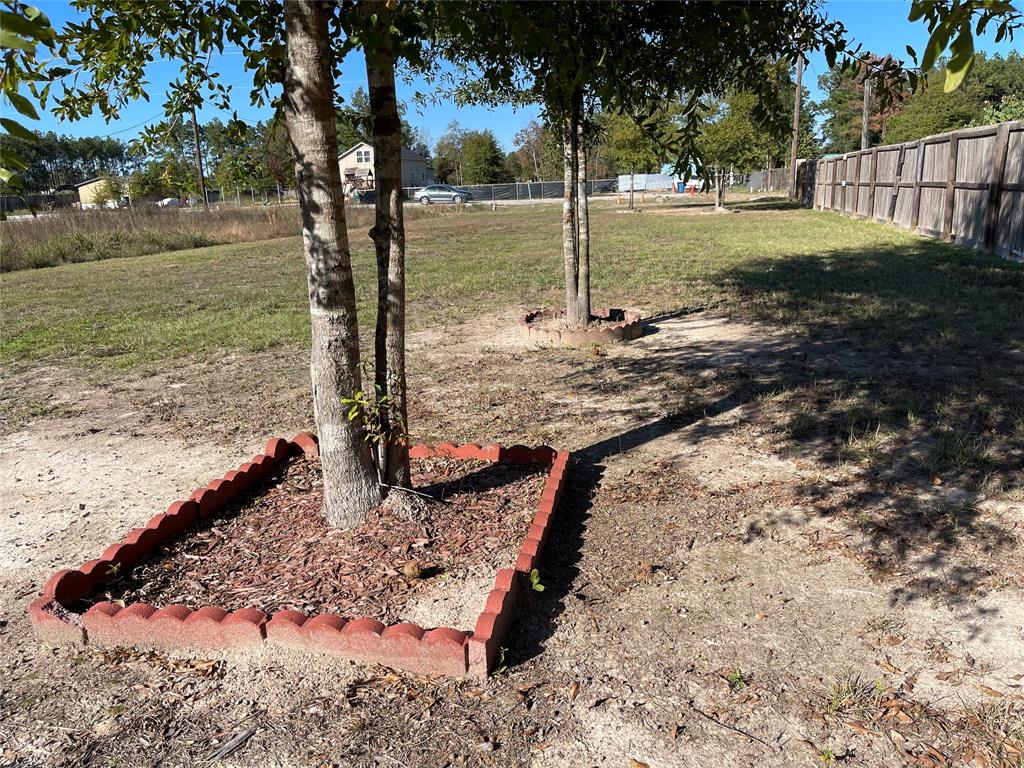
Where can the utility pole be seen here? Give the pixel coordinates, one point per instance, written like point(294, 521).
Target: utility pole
point(865, 124)
point(795, 139)
point(199, 160)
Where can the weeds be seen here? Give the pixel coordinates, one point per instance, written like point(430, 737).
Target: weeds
point(736, 679)
point(999, 725)
point(849, 694)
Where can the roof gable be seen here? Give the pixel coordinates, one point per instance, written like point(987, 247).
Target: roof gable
point(407, 153)
point(353, 148)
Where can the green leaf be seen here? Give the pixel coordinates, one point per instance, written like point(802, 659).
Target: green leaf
point(15, 128)
point(23, 105)
point(918, 8)
point(10, 40)
point(962, 60)
point(912, 53)
point(936, 44)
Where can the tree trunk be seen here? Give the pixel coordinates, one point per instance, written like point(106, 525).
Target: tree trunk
point(631, 190)
point(583, 225)
point(570, 245)
point(719, 191)
point(350, 480)
point(388, 235)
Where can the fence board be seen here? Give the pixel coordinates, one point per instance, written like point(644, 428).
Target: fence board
point(966, 186)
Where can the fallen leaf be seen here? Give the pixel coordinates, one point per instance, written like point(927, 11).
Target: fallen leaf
point(856, 726)
point(574, 690)
point(990, 691)
point(637, 764)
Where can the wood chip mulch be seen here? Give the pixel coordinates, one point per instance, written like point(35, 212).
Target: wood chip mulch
point(274, 552)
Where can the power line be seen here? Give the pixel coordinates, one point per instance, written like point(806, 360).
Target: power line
point(137, 125)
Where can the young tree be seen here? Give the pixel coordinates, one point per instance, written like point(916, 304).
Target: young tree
point(731, 139)
point(109, 191)
point(378, 25)
point(147, 183)
point(111, 49)
point(350, 483)
point(630, 147)
point(576, 58)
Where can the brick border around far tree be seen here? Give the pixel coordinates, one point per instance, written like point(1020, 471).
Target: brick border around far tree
point(405, 646)
point(625, 325)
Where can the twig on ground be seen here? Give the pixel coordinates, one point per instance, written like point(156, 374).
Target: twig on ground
point(733, 728)
point(233, 745)
point(411, 490)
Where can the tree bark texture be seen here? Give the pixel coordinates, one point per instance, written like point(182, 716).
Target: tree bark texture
point(582, 223)
point(350, 480)
point(575, 219)
point(570, 231)
point(388, 236)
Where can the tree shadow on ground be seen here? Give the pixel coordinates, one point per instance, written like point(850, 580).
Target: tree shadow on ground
point(896, 368)
point(764, 204)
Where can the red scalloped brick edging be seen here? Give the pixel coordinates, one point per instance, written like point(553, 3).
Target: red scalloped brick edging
point(626, 329)
point(405, 646)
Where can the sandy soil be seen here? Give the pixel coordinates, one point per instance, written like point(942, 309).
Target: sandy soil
point(716, 595)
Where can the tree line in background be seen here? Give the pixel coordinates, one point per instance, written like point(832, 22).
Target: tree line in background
point(738, 136)
point(992, 92)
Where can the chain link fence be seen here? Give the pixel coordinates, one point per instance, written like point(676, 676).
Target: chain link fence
point(534, 190)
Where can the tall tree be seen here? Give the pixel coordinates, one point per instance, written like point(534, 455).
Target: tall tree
point(842, 109)
point(931, 109)
point(355, 121)
point(531, 140)
point(483, 162)
point(448, 154)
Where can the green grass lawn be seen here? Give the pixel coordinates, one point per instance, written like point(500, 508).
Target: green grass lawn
point(791, 267)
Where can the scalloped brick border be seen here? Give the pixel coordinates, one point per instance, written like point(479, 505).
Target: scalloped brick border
point(626, 330)
point(443, 650)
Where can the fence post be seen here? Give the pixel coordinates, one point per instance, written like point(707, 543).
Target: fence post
point(872, 174)
point(947, 208)
point(890, 213)
point(995, 186)
point(915, 211)
point(855, 208)
point(842, 196)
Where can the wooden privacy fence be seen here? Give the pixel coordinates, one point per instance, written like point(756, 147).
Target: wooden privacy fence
point(966, 186)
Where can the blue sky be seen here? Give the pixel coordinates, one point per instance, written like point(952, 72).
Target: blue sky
point(881, 25)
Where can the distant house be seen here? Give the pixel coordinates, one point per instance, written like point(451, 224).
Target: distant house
point(90, 190)
point(357, 168)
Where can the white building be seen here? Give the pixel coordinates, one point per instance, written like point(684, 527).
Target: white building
point(357, 167)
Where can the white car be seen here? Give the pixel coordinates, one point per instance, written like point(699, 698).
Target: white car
point(168, 202)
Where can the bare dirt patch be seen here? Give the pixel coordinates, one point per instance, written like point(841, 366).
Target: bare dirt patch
point(713, 592)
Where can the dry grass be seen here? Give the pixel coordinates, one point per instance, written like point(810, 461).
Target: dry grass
point(68, 237)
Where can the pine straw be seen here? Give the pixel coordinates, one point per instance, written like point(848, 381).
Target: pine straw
point(274, 551)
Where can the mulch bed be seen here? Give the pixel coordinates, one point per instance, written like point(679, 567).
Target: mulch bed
point(274, 552)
